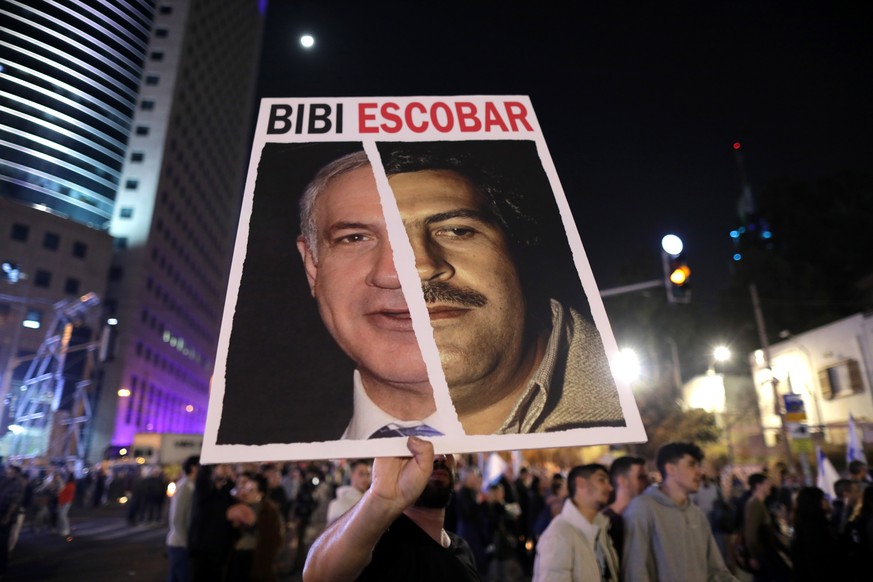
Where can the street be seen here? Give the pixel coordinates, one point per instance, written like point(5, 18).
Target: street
point(102, 546)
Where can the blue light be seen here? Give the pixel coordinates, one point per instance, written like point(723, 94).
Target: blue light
point(738, 256)
point(742, 229)
point(735, 234)
point(766, 234)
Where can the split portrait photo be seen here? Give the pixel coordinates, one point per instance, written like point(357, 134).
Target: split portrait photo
point(425, 287)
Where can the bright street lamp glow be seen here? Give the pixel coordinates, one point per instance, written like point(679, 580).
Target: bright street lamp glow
point(307, 40)
point(721, 354)
point(627, 365)
point(672, 244)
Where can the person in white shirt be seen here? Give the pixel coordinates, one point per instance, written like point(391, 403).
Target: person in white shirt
point(576, 546)
point(360, 476)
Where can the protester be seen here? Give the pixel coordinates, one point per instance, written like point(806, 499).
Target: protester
point(210, 537)
point(180, 520)
point(765, 552)
point(666, 536)
point(860, 538)
point(629, 479)
point(575, 546)
point(396, 531)
point(11, 493)
point(65, 501)
point(259, 530)
point(470, 515)
point(502, 537)
point(347, 496)
point(815, 551)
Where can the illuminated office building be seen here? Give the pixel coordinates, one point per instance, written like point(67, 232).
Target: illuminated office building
point(134, 117)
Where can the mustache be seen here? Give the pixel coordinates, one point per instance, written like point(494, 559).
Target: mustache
point(442, 292)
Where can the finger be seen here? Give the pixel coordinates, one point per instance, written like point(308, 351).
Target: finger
point(422, 452)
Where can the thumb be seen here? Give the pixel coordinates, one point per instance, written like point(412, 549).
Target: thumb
point(422, 453)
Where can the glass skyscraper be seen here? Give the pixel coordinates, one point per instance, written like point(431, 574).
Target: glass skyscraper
point(68, 86)
point(133, 117)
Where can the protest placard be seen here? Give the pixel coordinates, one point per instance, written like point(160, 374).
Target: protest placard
point(409, 265)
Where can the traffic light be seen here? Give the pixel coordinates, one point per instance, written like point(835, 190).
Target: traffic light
point(677, 273)
point(676, 270)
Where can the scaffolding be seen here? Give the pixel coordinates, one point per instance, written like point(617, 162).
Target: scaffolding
point(47, 417)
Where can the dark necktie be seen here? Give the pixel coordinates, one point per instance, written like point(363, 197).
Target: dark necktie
point(394, 430)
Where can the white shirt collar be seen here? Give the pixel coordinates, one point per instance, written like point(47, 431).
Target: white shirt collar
point(368, 417)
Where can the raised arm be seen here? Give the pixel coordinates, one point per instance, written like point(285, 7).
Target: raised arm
point(346, 546)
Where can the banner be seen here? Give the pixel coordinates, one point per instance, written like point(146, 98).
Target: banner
point(409, 265)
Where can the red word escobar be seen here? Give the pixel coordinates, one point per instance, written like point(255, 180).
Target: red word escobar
point(390, 117)
point(505, 116)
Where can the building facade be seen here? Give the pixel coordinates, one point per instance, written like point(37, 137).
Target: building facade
point(175, 217)
point(830, 368)
point(48, 259)
point(133, 118)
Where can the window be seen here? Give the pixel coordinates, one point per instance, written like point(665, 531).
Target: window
point(165, 9)
point(126, 212)
point(131, 184)
point(157, 56)
point(120, 243)
point(147, 104)
point(51, 241)
point(137, 157)
point(80, 250)
point(42, 278)
point(142, 130)
point(71, 287)
point(161, 33)
point(20, 232)
point(152, 80)
point(841, 379)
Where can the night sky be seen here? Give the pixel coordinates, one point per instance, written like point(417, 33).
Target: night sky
point(640, 103)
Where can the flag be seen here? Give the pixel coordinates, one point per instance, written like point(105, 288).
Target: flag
point(854, 448)
point(827, 475)
point(517, 461)
point(494, 468)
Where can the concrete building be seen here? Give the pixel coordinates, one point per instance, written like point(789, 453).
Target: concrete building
point(48, 258)
point(831, 369)
point(133, 117)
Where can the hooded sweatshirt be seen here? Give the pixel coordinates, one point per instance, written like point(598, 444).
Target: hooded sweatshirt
point(665, 542)
point(346, 498)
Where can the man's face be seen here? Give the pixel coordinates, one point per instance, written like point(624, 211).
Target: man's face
point(637, 480)
point(356, 285)
point(361, 477)
point(686, 473)
point(470, 280)
point(247, 490)
point(593, 490)
point(439, 488)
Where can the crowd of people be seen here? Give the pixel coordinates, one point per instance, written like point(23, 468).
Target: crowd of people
point(665, 519)
point(621, 522)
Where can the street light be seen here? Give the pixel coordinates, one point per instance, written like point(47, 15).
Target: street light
point(721, 354)
point(627, 365)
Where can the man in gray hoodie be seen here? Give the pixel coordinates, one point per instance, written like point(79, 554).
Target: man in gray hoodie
point(666, 536)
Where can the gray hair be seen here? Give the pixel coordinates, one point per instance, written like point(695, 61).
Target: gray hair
point(338, 167)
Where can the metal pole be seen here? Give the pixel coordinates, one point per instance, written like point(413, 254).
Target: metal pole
point(765, 347)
